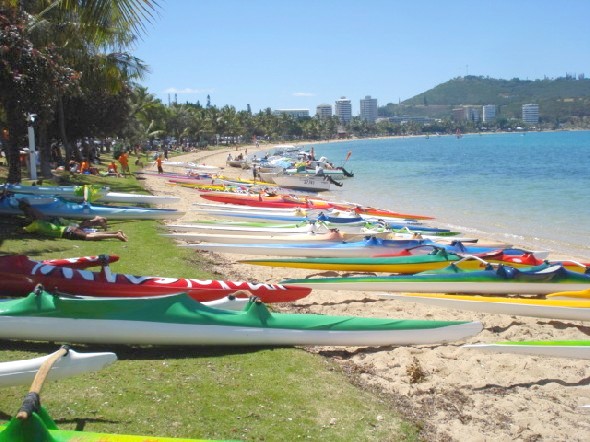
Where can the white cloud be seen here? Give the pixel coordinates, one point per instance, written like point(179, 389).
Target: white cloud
point(188, 90)
point(303, 94)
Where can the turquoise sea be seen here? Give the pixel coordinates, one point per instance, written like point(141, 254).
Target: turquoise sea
point(531, 189)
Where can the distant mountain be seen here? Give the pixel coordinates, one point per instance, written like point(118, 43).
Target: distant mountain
point(559, 98)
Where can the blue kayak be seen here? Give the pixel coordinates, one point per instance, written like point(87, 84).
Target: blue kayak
point(58, 207)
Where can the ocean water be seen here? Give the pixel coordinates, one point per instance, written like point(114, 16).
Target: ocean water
point(530, 189)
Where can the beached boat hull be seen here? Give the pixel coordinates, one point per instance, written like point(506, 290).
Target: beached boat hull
point(361, 248)
point(538, 308)
point(407, 265)
point(19, 275)
point(580, 295)
point(310, 183)
point(399, 264)
point(553, 349)
point(39, 427)
point(72, 364)
point(504, 280)
point(271, 238)
point(179, 320)
point(77, 193)
point(57, 207)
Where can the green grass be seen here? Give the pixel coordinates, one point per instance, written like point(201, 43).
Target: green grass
point(260, 394)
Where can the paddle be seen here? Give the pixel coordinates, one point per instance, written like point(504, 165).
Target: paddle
point(32, 401)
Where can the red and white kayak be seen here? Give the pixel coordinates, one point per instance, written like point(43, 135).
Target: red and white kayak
point(20, 275)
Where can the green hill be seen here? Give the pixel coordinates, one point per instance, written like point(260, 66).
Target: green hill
point(560, 98)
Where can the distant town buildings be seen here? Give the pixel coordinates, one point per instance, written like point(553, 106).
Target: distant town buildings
point(297, 113)
point(488, 113)
point(369, 109)
point(530, 113)
point(343, 110)
point(463, 113)
point(324, 111)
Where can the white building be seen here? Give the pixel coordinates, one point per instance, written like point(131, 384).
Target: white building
point(297, 113)
point(530, 113)
point(343, 110)
point(324, 111)
point(488, 112)
point(369, 109)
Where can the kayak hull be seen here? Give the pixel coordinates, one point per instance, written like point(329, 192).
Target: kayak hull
point(72, 364)
point(20, 275)
point(538, 308)
point(554, 349)
point(179, 320)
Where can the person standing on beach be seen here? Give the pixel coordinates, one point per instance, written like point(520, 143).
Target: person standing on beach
point(159, 164)
point(254, 172)
point(124, 161)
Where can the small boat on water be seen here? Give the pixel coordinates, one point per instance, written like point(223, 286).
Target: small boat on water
point(72, 364)
point(502, 280)
point(179, 320)
point(552, 349)
point(20, 275)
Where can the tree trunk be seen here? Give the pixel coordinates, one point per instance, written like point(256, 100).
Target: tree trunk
point(62, 131)
point(44, 150)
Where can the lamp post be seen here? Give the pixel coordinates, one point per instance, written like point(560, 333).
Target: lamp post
point(32, 151)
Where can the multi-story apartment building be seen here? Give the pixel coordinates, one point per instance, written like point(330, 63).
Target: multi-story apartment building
point(323, 110)
point(530, 113)
point(343, 110)
point(488, 112)
point(369, 109)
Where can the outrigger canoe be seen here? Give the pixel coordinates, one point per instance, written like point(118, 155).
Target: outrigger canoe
point(19, 275)
point(180, 320)
point(406, 264)
point(538, 308)
point(58, 207)
point(72, 364)
point(103, 194)
point(370, 247)
point(554, 349)
point(540, 280)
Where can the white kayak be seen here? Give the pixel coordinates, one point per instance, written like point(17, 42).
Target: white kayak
point(270, 238)
point(538, 308)
point(72, 364)
point(103, 194)
point(554, 349)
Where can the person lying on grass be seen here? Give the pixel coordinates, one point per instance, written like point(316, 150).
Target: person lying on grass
point(59, 228)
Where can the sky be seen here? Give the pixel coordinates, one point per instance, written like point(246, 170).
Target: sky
point(296, 54)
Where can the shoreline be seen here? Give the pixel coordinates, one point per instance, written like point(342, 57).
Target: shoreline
point(465, 394)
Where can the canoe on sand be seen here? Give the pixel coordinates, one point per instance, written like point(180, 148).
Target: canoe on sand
point(180, 320)
point(540, 280)
point(538, 308)
point(554, 349)
point(19, 275)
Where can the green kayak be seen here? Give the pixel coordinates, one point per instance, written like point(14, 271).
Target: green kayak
point(180, 320)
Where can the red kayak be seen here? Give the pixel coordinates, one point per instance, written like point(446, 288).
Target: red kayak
point(19, 275)
point(282, 201)
point(378, 213)
point(82, 262)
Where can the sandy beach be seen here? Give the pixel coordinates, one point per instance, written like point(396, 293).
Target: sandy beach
point(455, 393)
